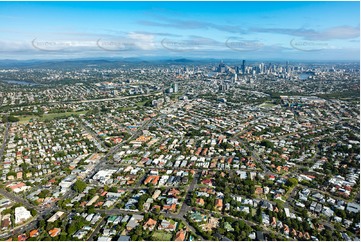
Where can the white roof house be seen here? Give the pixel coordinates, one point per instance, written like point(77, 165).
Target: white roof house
point(21, 215)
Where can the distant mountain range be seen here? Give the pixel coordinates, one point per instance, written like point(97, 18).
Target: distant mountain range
point(116, 62)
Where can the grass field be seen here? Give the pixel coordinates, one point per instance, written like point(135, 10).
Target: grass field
point(267, 105)
point(49, 116)
point(160, 235)
point(138, 104)
point(125, 109)
point(141, 104)
point(253, 211)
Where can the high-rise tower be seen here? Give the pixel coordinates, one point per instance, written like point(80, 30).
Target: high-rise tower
point(243, 67)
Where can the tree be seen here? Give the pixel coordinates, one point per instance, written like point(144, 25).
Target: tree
point(33, 212)
point(291, 182)
point(242, 236)
point(338, 227)
point(209, 206)
point(44, 193)
point(91, 209)
point(6, 211)
point(71, 229)
point(92, 192)
point(79, 186)
point(267, 144)
point(41, 223)
point(220, 230)
point(10, 119)
point(328, 235)
point(113, 189)
point(63, 237)
point(241, 224)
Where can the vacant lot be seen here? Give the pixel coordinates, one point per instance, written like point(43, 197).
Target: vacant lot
point(161, 235)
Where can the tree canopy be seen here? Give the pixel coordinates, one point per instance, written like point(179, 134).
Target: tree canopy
point(79, 186)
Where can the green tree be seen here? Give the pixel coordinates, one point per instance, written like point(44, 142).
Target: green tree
point(71, 229)
point(41, 223)
point(63, 237)
point(267, 144)
point(291, 182)
point(91, 209)
point(113, 189)
point(79, 186)
point(33, 212)
point(10, 119)
point(44, 193)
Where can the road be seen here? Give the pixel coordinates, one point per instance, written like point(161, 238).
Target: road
point(109, 99)
point(92, 133)
point(20, 229)
point(18, 199)
point(33, 224)
point(114, 149)
point(254, 155)
point(185, 208)
point(43, 213)
point(94, 100)
point(6, 136)
point(96, 231)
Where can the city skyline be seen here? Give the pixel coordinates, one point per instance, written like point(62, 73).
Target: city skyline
point(230, 30)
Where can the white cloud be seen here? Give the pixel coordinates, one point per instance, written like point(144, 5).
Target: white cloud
point(143, 41)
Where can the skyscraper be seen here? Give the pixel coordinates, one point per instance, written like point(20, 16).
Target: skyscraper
point(261, 68)
point(243, 67)
point(221, 67)
point(175, 87)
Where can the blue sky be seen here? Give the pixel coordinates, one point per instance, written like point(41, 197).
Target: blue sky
point(252, 30)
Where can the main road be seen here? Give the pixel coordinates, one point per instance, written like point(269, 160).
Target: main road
point(95, 100)
point(114, 149)
point(6, 136)
point(18, 199)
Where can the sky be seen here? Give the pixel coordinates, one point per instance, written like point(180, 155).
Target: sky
point(234, 30)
